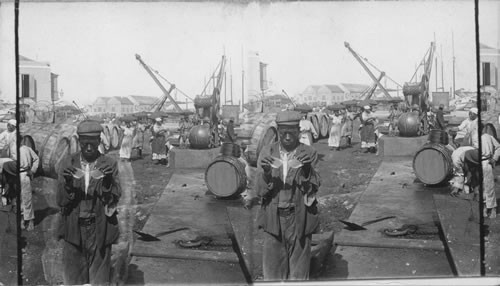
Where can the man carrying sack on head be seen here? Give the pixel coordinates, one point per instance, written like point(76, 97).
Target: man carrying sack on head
point(467, 134)
point(88, 193)
point(287, 182)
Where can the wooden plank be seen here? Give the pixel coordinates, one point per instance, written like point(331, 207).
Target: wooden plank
point(459, 221)
point(360, 240)
point(186, 254)
point(249, 239)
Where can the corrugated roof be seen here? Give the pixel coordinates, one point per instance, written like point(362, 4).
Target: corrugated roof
point(30, 62)
point(124, 100)
point(23, 58)
point(334, 88)
point(147, 100)
point(314, 86)
point(483, 46)
point(355, 87)
point(103, 98)
point(276, 96)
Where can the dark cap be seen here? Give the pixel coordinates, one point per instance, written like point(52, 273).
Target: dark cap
point(288, 118)
point(89, 128)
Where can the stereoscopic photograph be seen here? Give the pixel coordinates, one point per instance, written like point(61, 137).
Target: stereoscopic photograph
point(218, 142)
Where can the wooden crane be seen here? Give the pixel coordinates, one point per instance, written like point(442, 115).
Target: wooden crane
point(166, 93)
point(372, 76)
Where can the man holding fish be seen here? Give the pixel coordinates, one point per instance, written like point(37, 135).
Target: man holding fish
point(287, 182)
point(88, 194)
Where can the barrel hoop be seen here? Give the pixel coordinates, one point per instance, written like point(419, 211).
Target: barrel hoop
point(237, 165)
point(446, 155)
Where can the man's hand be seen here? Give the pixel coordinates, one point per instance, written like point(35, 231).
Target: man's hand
point(108, 176)
point(106, 170)
point(68, 173)
point(493, 162)
point(266, 163)
point(305, 158)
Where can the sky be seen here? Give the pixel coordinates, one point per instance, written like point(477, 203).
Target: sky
point(92, 45)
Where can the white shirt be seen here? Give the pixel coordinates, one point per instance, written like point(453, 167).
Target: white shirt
point(5, 138)
point(465, 127)
point(490, 148)
point(285, 156)
point(29, 159)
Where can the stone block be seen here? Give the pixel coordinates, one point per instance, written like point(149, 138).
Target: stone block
point(192, 158)
point(400, 146)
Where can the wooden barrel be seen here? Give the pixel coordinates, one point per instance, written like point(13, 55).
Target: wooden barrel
point(264, 134)
point(225, 176)
point(257, 130)
point(433, 164)
point(199, 137)
point(313, 117)
point(438, 136)
point(74, 144)
point(251, 120)
point(106, 132)
point(324, 124)
point(230, 149)
point(408, 124)
point(115, 137)
point(52, 142)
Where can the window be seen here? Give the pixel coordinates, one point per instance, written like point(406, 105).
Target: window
point(486, 74)
point(25, 83)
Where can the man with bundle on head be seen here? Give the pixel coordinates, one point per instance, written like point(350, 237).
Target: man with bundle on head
point(8, 135)
point(89, 190)
point(368, 136)
point(307, 130)
point(287, 182)
point(467, 131)
point(8, 143)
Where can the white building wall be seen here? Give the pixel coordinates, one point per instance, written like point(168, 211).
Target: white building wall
point(42, 77)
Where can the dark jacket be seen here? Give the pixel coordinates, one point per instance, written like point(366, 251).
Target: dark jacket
point(304, 185)
point(440, 119)
point(231, 136)
point(107, 191)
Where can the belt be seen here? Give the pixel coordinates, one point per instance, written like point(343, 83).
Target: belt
point(286, 211)
point(86, 221)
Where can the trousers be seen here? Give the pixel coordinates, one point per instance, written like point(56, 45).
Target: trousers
point(86, 263)
point(26, 197)
point(286, 257)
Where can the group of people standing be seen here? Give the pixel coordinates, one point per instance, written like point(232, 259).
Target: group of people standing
point(342, 127)
point(468, 159)
point(133, 139)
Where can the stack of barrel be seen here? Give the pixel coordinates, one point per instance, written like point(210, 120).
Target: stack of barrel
point(256, 131)
point(52, 142)
point(321, 123)
point(114, 134)
point(225, 176)
point(433, 163)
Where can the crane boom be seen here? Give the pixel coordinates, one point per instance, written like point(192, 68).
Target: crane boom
point(214, 110)
point(372, 89)
point(358, 58)
point(166, 93)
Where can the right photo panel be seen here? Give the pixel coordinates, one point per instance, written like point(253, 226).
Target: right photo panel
point(489, 52)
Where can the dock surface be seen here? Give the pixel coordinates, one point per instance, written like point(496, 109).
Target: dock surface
point(184, 204)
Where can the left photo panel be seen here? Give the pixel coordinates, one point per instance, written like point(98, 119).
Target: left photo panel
point(10, 233)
